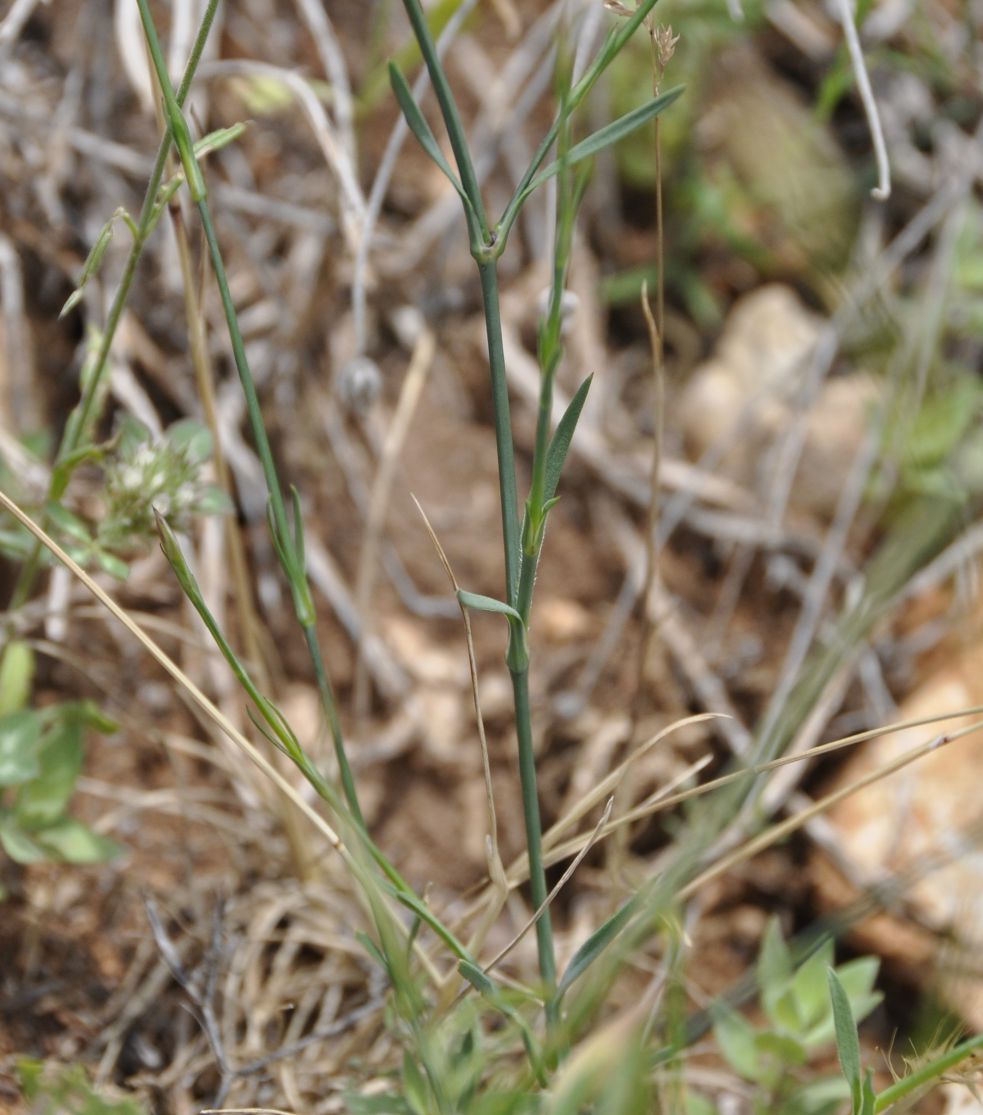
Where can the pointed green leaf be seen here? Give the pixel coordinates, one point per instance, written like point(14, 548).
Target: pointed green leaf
point(91, 265)
point(476, 977)
point(421, 129)
point(736, 1038)
point(67, 522)
point(847, 1039)
point(559, 445)
point(373, 950)
point(218, 139)
point(810, 986)
point(20, 735)
point(868, 1098)
point(73, 842)
point(415, 1086)
point(596, 943)
point(17, 844)
point(111, 564)
point(190, 437)
point(16, 677)
point(478, 603)
point(606, 137)
point(43, 800)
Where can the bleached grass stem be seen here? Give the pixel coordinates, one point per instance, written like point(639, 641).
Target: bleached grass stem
point(847, 16)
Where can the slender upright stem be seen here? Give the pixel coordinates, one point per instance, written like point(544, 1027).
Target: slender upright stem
point(288, 541)
point(503, 428)
point(330, 706)
point(534, 839)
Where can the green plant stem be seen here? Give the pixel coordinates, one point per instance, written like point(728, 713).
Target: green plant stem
point(534, 840)
point(927, 1073)
point(330, 706)
point(304, 605)
point(503, 428)
point(288, 542)
point(611, 47)
point(146, 223)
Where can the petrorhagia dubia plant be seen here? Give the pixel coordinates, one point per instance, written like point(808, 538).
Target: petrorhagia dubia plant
point(523, 541)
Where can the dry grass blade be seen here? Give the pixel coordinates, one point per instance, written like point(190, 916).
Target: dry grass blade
point(796, 821)
point(494, 858)
point(564, 879)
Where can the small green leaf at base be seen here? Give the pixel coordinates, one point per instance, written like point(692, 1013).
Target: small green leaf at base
point(847, 1040)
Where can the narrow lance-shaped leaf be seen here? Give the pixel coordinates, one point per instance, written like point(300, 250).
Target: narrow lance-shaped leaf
point(421, 129)
point(596, 943)
point(605, 137)
point(847, 1041)
point(486, 987)
point(559, 445)
point(91, 265)
point(478, 603)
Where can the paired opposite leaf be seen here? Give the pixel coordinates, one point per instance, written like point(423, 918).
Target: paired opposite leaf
point(605, 137)
point(418, 125)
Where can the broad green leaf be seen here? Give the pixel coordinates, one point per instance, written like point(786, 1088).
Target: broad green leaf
point(44, 799)
point(737, 1040)
point(16, 676)
point(820, 1097)
point(559, 445)
point(608, 135)
point(810, 987)
point(73, 842)
point(17, 844)
point(418, 125)
point(774, 967)
point(782, 1048)
point(20, 735)
point(213, 501)
point(478, 603)
point(777, 1053)
point(847, 1039)
point(596, 943)
point(131, 433)
point(192, 437)
point(858, 978)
